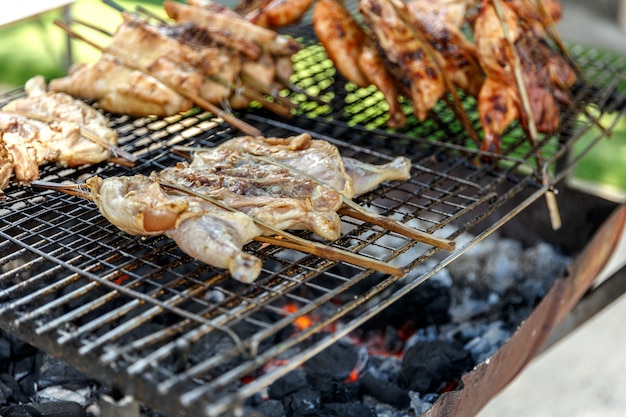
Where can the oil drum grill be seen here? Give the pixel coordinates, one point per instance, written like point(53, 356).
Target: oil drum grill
point(138, 314)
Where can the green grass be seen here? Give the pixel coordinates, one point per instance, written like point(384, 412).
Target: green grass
point(37, 46)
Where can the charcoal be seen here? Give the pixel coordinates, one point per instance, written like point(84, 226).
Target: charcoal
point(16, 392)
point(5, 393)
point(333, 391)
point(292, 382)
point(429, 365)
point(305, 402)
point(20, 411)
point(386, 391)
point(346, 410)
point(271, 408)
point(337, 361)
point(51, 409)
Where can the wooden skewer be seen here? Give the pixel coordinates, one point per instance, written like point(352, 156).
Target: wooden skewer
point(88, 134)
point(201, 102)
point(551, 201)
point(361, 213)
point(290, 241)
point(77, 190)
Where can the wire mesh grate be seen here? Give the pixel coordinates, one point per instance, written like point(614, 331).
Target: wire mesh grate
point(138, 313)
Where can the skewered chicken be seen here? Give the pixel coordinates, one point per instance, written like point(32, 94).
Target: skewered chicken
point(441, 30)
point(354, 55)
point(408, 60)
point(46, 127)
point(546, 75)
point(260, 181)
point(273, 13)
point(267, 192)
point(205, 15)
point(319, 159)
point(139, 206)
point(119, 89)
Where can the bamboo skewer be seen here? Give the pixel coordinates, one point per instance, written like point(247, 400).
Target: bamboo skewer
point(356, 211)
point(88, 134)
point(206, 105)
point(551, 201)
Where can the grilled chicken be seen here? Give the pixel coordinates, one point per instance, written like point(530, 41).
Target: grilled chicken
point(205, 15)
point(342, 37)
point(321, 160)
point(460, 60)
point(274, 13)
point(354, 54)
point(407, 58)
point(546, 75)
point(285, 183)
point(139, 206)
point(267, 192)
point(46, 127)
point(119, 89)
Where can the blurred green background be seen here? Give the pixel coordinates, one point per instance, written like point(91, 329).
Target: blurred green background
point(37, 46)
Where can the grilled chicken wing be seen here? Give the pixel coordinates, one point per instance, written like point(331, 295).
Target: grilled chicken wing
point(139, 206)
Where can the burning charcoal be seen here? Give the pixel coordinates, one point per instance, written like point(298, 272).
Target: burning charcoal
point(338, 360)
point(271, 408)
point(346, 410)
point(429, 365)
point(305, 402)
point(385, 391)
point(333, 391)
point(292, 382)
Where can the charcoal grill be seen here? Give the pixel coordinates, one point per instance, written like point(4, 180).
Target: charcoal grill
point(130, 311)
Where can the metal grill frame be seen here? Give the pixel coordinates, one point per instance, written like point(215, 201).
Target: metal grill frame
point(130, 311)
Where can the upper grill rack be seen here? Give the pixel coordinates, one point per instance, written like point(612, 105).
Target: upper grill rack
point(139, 314)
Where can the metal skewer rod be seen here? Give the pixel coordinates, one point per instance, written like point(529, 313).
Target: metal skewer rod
point(206, 105)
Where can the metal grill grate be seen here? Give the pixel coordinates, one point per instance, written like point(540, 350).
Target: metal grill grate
point(139, 314)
